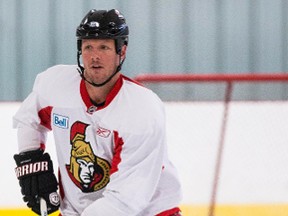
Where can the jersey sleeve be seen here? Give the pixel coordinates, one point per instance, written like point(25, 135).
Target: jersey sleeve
point(32, 121)
point(135, 172)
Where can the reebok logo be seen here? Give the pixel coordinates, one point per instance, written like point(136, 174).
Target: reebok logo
point(103, 132)
point(60, 121)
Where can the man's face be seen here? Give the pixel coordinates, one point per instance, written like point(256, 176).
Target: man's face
point(100, 59)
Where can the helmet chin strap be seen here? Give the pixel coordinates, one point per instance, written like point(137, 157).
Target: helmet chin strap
point(81, 72)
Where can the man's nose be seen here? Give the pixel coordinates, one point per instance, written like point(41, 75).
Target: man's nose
point(95, 56)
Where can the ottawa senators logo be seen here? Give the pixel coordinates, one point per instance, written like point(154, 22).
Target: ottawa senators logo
point(88, 171)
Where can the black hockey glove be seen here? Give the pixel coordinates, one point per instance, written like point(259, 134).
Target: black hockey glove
point(36, 178)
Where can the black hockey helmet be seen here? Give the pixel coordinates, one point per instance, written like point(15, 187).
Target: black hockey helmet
point(103, 24)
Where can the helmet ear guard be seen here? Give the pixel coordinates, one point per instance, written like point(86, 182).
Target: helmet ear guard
point(79, 53)
point(119, 43)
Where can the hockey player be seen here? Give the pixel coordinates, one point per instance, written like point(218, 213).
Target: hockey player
point(109, 133)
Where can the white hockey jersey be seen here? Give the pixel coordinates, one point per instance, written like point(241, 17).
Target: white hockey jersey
point(112, 157)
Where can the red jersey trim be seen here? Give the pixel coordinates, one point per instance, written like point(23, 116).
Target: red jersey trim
point(45, 116)
point(42, 146)
point(117, 152)
point(170, 212)
point(109, 98)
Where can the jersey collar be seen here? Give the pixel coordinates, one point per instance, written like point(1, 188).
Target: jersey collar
point(90, 107)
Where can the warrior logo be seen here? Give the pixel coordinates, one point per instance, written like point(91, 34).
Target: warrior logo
point(88, 171)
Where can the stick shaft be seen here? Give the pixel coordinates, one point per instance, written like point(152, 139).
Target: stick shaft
point(43, 207)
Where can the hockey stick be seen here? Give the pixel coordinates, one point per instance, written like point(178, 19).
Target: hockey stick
point(228, 96)
point(43, 207)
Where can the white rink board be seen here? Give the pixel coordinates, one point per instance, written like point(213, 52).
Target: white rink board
point(255, 156)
